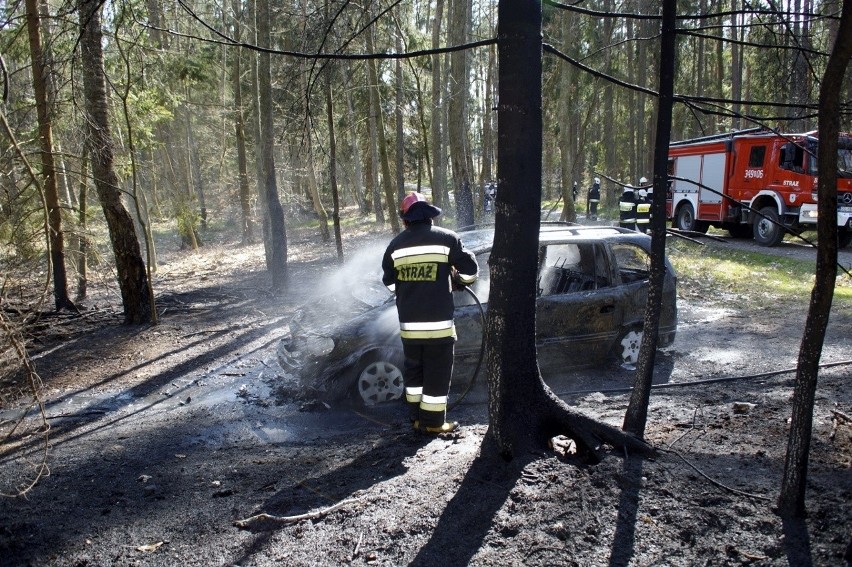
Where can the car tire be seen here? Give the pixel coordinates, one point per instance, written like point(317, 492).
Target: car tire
point(378, 379)
point(626, 348)
point(686, 221)
point(844, 238)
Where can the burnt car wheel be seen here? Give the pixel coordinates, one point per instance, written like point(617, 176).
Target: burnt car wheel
point(379, 380)
point(627, 347)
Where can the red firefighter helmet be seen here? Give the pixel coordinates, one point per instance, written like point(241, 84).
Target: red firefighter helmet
point(415, 207)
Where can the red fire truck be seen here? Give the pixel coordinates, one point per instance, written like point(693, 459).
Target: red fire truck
point(732, 175)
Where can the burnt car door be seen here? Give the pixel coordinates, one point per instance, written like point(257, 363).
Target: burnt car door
point(579, 306)
point(633, 270)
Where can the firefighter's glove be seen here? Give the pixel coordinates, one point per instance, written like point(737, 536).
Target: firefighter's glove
point(455, 281)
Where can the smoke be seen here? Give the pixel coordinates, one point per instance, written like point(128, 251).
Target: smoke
point(349, 289)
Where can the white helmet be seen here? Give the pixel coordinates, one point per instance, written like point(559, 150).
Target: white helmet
point(643, 180)
point(598, 180)
point(628, 187)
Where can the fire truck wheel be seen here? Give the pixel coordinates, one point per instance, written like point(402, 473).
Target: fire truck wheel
point(379, 379)
point(685, 220)
point(767, 229)
point(627, 347)
point(844, 238)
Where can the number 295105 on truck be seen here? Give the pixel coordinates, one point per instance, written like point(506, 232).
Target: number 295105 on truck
point(727, 179)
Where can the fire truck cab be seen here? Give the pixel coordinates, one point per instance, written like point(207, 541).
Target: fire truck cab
point(726, 180)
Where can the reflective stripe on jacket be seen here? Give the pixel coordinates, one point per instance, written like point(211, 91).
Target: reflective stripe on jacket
point(417, 266)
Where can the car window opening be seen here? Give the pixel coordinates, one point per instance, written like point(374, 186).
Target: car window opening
point(634, 264)
point(569, 268)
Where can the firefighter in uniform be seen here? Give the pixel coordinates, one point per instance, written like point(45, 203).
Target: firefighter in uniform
point(422, 265)
point(627, 208)
point(593, 199)
point(643, 207)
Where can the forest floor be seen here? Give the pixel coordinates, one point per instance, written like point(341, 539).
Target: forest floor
point(162, 437)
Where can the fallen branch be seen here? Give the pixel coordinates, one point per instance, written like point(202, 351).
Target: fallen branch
point(287, 520)
point(841, 416)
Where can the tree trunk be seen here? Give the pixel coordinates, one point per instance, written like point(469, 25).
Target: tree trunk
point(611, 193)
point(239, 126)
point(55, 235)
point(400, 140)
point(438, 189)
point(487, 170)
point(381, 141)
point(373, 159)
point(736, 65)
point(637, 410)
point(82, 239)
point(277, 259)
point(358, 170)
point(791, 502)
point(132, 278)
point(523, 412)
point(195, 171)
point(313, 188)
point(457, 108)
point(332, 166)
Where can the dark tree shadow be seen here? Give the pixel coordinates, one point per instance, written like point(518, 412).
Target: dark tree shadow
point(797, 542)
point(468, 517)
point(623, 545)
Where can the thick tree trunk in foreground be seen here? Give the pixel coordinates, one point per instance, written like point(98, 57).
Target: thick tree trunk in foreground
point(132, 276)
point(637, 410)
point(523, 413)
point(791, 502)
point(50, 185)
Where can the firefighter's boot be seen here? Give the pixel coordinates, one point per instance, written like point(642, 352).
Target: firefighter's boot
point(446, 427)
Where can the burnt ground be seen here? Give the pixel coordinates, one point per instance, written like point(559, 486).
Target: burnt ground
point(161, 438)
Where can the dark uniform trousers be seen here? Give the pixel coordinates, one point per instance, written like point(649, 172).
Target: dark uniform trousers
point(428, 370)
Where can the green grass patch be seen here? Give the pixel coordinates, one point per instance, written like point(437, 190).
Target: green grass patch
point(761, 279)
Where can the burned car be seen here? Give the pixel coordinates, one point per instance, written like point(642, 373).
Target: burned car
point(592, 290)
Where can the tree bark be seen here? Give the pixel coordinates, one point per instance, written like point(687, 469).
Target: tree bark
point(277, 258)
point(246, 223)
point(637, 410)
point(736, 65)
point(332, 167)
point(487, 166)
point(82, 239)
point(40, 71)
point(372, 163)
point(457, 108)
point(358, 170)
point(381, 141)
point(400, 136)
point(791, 502)
point(132, 277)
point(523, 412)
point(438, 167)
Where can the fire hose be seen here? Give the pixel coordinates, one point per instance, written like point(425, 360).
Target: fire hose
point(473, 377)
